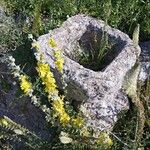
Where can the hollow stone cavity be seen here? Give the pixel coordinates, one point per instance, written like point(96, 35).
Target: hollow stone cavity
point(97, 48)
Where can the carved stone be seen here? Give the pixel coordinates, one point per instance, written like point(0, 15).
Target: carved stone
point(99, 91)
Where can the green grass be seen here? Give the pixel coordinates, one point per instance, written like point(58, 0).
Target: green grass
point(121, 14)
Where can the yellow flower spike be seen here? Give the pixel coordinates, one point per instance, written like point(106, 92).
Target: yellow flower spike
point(78, 122)
point(35, 45)
point(49, 81)
point(64, 118)
point(25, 85)
point(52, 43)
point(3, 122)
point(58, 106)
point(47, 78)
point(59, 64)
point(43, 69)
point(59, 61)
point(51, 88)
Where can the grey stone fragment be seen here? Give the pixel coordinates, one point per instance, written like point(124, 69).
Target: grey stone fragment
point(145, 61)
point(19, 108)
point(99, 91)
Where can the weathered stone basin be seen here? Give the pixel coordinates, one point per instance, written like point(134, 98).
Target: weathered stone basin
point(99, 91)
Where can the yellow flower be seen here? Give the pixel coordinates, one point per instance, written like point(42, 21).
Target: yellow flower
point(25, 85)
point(104, 139)
point(3, 122)
point(43, 69)
point(64, 118)
point(59, 64)
point(52, 43)
point(58, 106)
point(50, 84)
point(47, 77)
point(78, 121)
point(59, 61)
point(35, 45)
point(57, 55)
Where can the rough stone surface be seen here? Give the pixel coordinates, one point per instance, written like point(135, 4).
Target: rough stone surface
point(99, 91)
point(145, 61)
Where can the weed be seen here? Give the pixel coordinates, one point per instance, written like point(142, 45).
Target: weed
point(125, 127)
point(97, 53)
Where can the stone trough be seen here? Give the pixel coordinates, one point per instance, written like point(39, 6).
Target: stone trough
point(100, 92)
